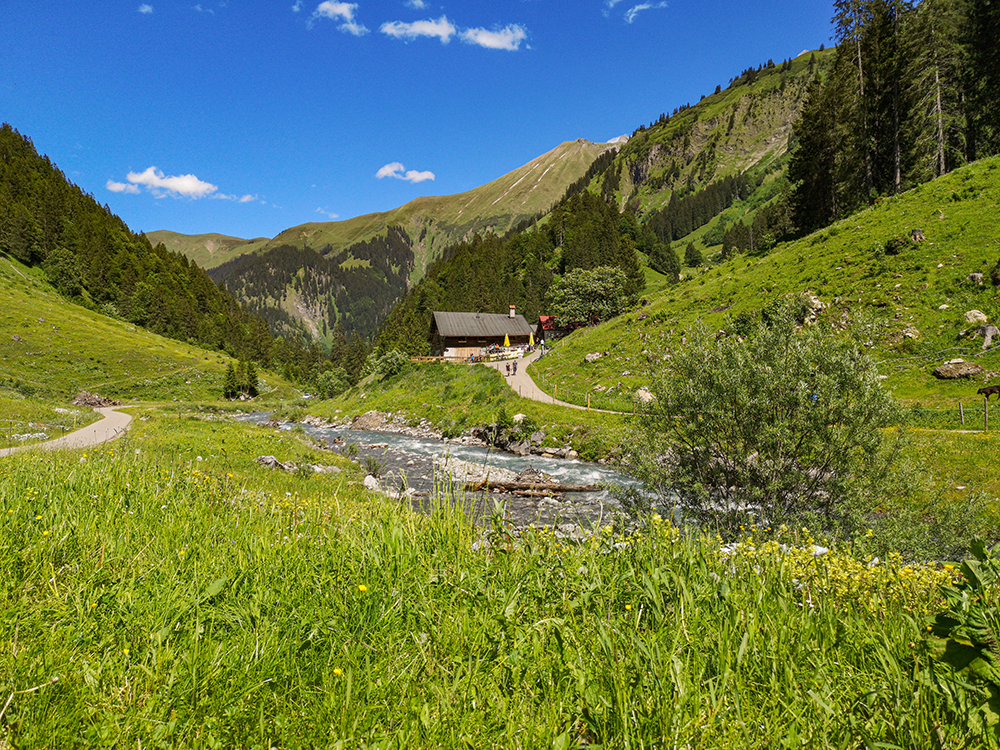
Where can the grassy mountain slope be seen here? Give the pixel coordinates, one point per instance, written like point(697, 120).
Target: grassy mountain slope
point(51, 348)
point(746, 125)
point(207, 250)
point(373, 259)
point(910, 306)
point(432, 222)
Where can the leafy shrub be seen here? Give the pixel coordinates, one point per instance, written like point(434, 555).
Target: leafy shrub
point(390, 363)
point(896, 244)
point(332, 383)
point(966, 638)
point(781, 427)
point(743, 323)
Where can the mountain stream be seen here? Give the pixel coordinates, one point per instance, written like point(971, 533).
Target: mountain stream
point(423, 469)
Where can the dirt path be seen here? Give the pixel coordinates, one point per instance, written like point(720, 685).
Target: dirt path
point(525, 387)
point(111, 427)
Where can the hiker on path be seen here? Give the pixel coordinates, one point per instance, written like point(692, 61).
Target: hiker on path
point(515, 367)
point(508, 369)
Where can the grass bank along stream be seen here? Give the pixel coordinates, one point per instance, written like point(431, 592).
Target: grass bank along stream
point(182, 596)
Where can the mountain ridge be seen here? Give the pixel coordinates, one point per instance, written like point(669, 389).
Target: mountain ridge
point(442, 215)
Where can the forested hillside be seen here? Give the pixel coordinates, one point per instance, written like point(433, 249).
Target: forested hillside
point(912, 95)
point(92, 258)
point(729, 150)
point(489, 273)
point(303, 293)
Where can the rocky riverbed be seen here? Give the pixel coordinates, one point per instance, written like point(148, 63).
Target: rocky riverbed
point(416, 464)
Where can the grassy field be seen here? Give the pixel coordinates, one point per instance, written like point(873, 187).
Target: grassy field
point(165, 591)
point(52, 349)
point(923, 291)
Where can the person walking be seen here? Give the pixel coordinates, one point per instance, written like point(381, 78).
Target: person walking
point(508, 369)
point(515, 367)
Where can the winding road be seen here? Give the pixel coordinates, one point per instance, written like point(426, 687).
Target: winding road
point(111, 427)
point(524, 386)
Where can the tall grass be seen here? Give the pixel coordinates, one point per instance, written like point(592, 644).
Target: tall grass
point(155, 600)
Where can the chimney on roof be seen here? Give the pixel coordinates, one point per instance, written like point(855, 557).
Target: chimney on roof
point(513, 311)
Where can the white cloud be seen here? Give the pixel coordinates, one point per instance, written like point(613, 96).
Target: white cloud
point(416, 4)
point(328, 214)
point(147, 9)
point(122, 187)
point(339, 12)
point(297, 7)
point(200, 9)
point(508, 38)
point(635, 10)
point(441, 29)
point(237, 198)
point(397, 170)
point(186, 185)
point(390, 170)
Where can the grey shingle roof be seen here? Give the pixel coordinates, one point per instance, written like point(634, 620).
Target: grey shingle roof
point(480, 325)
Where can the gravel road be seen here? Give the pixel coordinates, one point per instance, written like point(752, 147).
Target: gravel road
point(111, 427)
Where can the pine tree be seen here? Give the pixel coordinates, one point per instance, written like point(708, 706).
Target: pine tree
point(983, 78)
point(230, 387)
point(692, 256)
point(251, 383)
point(935, 129)
point(354, 358)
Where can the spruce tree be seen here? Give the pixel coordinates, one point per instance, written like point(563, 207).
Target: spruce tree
point(692, 256)
point(230, 387)
point(251, 382)
point(983, 78)
point(936, 59)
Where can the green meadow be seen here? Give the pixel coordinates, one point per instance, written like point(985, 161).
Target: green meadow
point(909, 306)
point(51, 349)
point(166, 591)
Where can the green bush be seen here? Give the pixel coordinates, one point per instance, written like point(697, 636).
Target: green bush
point(897, 244)
point(781, 427)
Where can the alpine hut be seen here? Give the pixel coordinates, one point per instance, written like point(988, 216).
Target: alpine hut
point(465, 334)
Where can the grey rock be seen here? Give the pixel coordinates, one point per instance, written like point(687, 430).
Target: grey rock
point(272, 463)
point(953, 371)
point(976, 316)
point(644, 395)
point(988, 332)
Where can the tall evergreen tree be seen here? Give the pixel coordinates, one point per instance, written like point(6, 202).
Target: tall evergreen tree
point(937, 59)
point(692, 256)
point(983, 78)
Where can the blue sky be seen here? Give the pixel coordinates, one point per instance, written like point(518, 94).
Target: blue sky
point(246, 117)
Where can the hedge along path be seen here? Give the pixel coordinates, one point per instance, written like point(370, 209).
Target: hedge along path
point(111, 427)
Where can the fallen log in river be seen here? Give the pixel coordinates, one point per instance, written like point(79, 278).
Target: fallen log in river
point(529, 486)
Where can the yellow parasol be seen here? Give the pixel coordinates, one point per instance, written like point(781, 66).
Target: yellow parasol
point(531, 339)
point(506, 340)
